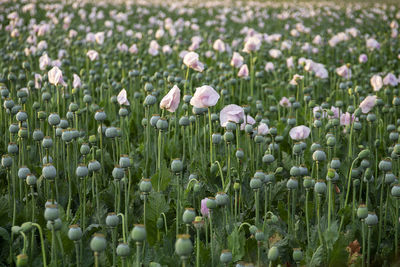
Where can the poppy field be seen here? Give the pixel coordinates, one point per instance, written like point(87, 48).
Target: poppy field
point(215, 133)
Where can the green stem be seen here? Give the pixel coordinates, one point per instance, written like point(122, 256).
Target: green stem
point(41, 243)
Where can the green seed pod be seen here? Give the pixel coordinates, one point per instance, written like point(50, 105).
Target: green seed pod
point(112, 220)
point(268, 158)
point(239, 153)
point(183, 246)
point(138, 233)
point(188, 215)
point(150, 100)
point(295, 171)
point(124, 161)
point(22, 260)
point(226, 256)
point(273, 253)
point(211, 203)
point(255, 183)
point(26, 226)
point(6, 161)
point(362, 211)
point(385, 165)
point(81, 171)
point(74, 232)
point(364, 154)
point(292, 183)
point(98, 243)
point(390, 178)
point(297, 255)
point(94, 166)
point(259, 236)
point(176, 165)
point(16, 229)
point(12, 148)
point(371, 219)
point(230, 126)
point(228, 136)
point(47, 142)
point(21, 116)
point(23, 172)
point(320, 187)
point(123, 250)
point(53, 119)
point(37, 135)
point(49, 172)
point(319, 156)
point(221, 198)
point(145, 186)
point(162, 124)
point(184, 121)
point(51, 212)
point(118, 172)
point(100, 116)
point(396, 191)
point(31, 180)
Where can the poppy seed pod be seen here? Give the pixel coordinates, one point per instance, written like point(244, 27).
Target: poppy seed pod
point(145, 186)
point(239, 154)
point(112, 220)
point(228, 136)
point(49, 172)
point(396, 191)
point(53, 119)
point(260, 236)
point(123, 250)
point(154, 119)
point(221, 198)
point(8, 103)
point(297, 255)
point(51, 212)
point(248, 128)
point(85, 149)
point(21, 116)
point(273, 253)
point(385, 165)
point(94, 166)
point(13, 128)
point(162, 124)
point(211, 203)
point(230, 126)
point(297, 149)
point(111, 132)
point(74, 232)
point(184, 121)
point(81, 171)
point(319, 156)
point(292, 183)
point(67, 135)
point(12, 148)
point(308, 182)
point(56, 224)
point(390, 178)
point(255, 183)
point(183, 246)
point(118, 173)
point(372, 219)
point(124, 161)
point(138, 233)
point(188, 216)
point(150, 100)
point(31, 180)
point(63, 124)
point(320, 187)
point(23, 172)
point(37, 135)
point(268, 158)
point(226, 256)
point(6, 161)
point(100, 116)
point(295, 171)
point(22, 260)
point(23, 132)
point(362, 211)
point(176, 165)
point(98, 243)
point(315, 147)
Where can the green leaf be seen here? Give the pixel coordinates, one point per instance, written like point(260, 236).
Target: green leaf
point(318, 257)
point(164, 181)
point(156, 204)
point(4, 234)
point(235, 243)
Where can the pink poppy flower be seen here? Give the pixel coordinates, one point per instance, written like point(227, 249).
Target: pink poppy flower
point(275, 53)
point(153, 48)
point(269, 67)
point(122, 98)
point(99, 37)
point(204, 210)
point(346, 119)
point(244, 71)
point(171, 100)
point(133, 49)
point(237, 60)
point(38, 81)
point(290, 63)
point(93, 55)
point(233, 113)
point(262, 129)
point(376, 82)
point(219, 46)
point(344, 72)
point(204, 97)
point(368, 103)
point(76, 82)
point(336, 112)
point(191, 60)
point(299, 132)
point(390, 79)
point(372, 44)
point(363, 58)
point(252, 44)
point(296, 78)
point(285, 102)
point(55, 76)
point(44, 61)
